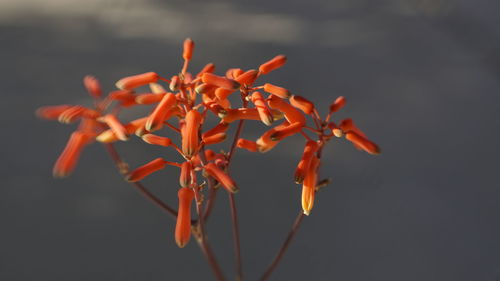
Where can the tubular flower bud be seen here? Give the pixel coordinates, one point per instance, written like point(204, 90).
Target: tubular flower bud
point(145, 170)
point(264, 113)
point(116, 126)
point(289, 130)
point(233, 73)
point(220, 128)
point(240, 113)
point(291, 114)
point(215, 107)
point(174, 83)
point(219, 81)
point(226, 181)
point(93, 86)
point(265, 143)
point(222, 93)
point(157, 88)
point(362, 142)
point(209, 68)
point(187, 54)
point(309, 186)
point(185, 177)
point(149, 98)
point(205, 88)
point(274, 63)
point(301, 103)
point(68, 159)
point(132, 82)
point(51, 112)
point(160, 114)
point(337, 104)
point(309, 150)
point(156, 140)
point(183, 225)
point(76, 112)
point(247, 144)
point(277, 91)
point(213, 139)
point(124, 96)
point(109, 136)
point(190, 139)
point(247, 78)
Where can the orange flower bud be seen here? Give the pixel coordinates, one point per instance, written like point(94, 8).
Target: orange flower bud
point(222, 93)
point(209, 68)
point(156, 140)
point(309, 186)
point(174, 83)
point(183, 225)
point(220, 128)
point(76, 112)
point(233, 73)
point(277, 91)
point(301, 103)
point(264, 113)
point(213, 139)
point(265, 143)
point(362, 142)
point(247, 144)
point(185, 177)
point(93, 86)
point(126, 97)
point(214, 106)
point(116, 126)
point(157, 88)
point(240, 113)
point(337, 104)
point(131, 82)
point(219, 81)
point(187, 54)
point(51, 112)
point(205, 88)
point(247, 78)
point(289, 130)
point(291, 114)
point(190, 138)
point(160, 114)
point(309, 150)
point(149, 98)
point(68, 159)
point(275, 63)
point(226, 181)
point(145, 170)
point(109, 136)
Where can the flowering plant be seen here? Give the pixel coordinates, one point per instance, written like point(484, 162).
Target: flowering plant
point(184, 110)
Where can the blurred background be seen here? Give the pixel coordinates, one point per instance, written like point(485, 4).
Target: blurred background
point(421, 78)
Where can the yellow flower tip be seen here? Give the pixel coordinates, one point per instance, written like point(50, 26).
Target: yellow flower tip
point(107, 137)
point(307, 212)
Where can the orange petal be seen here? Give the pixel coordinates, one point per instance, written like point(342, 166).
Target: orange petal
point(264, 113)
point(116, 126)
point(265, 143)
point(156, 140)
point(233, 73)
point(205, 88)
point(68, 159)
point(160, 114)
point(51, 112)
point(362, 142)
point(302, 103)
point(289, 130)
point(291, 114)
point(157, 88)
point(187, 53)
point(131, 82)
point(185, 177)
point(220, 128)
point(183, 225)
point(149, 98)
point(213, 139)
point(147, 169)
point(274, 63)
point(247, 78)
point(226, 181)
point(337, 104)
point(277, 91)
point(174, 83)
point(247, 144)
point(309, 186)
point(93, 86)
point(190, 137)
point(219, 81)
point(309, 150)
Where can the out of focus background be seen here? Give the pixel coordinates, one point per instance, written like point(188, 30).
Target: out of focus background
point(421, 78)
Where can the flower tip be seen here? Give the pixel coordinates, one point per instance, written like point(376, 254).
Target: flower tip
point(181, 243)
point(307, 212)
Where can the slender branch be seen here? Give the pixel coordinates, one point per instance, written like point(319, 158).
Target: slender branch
point(283, 248)
point(138, 186)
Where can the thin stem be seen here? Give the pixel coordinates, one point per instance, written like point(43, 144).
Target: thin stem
point(138, 186)
point(283, 248)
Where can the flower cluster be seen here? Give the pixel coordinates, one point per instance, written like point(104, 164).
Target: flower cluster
point(181, 104)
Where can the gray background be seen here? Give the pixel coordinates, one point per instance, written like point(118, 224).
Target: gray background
point(421, 78)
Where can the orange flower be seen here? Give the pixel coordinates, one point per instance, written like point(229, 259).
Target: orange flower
point(76, 112)
point(131, 82)
point(206, 88)
point(174, 83)
point(149, 98)
point(302, 103)
point(134, 126)
point(247, 144)
point(291, 114)
point(161, 112)
point(156, 140)
point(337, 104)
point(213, 139)
point(247, 78)
point(220, 128)
point(209, 68)
point(51, 112)
point(187, 54)
point(309, 186)
point(183, 225)
point(265, 143)
point(362, 142)
point(274, 63)
point(147, 169)
point(157, 88)
point(264, 113)
point(233, 73)
point(190, 137)
point(309, 150)
point(116, 126)
point(287, 131)
point(219, 81)
point(68, 159)
point(185, 177)
point(222, 93)
point(277, 91)
point(93, 86)
point(226, 181)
